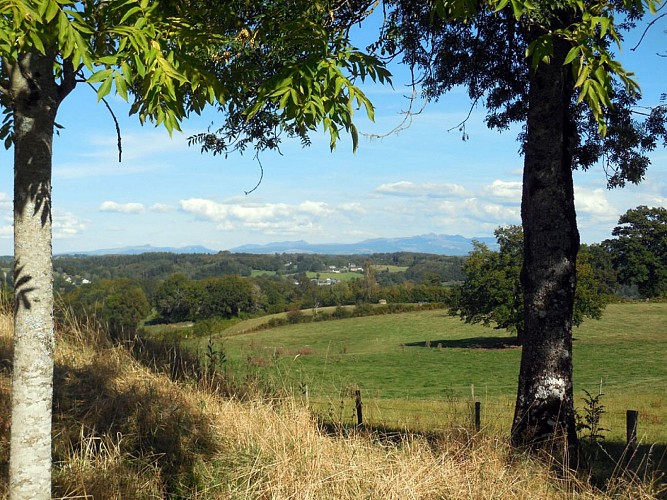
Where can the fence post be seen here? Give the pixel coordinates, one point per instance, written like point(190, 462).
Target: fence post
point(357, 403)
point(632, 416)
point(478, 416)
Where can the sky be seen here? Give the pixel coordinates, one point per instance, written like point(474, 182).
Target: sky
point(425, 179)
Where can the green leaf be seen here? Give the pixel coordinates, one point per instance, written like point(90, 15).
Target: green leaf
point(37, 42)
point(121, 85)
point(99, 75)
point(355, 137)
point(129, 14)
point(104, 89)
point(572, 54)
point(51, 11)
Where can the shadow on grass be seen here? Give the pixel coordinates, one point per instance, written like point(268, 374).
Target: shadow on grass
point(469, 343)
point(612, 458)
point(147, 419)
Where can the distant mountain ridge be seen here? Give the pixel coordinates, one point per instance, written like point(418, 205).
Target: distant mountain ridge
point(441, 244)
point(136, 250)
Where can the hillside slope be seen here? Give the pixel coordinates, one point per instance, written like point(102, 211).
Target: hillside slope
point(122, 431)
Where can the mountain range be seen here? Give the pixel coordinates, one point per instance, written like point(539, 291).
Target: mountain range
point(136, 250)
point(441, 244)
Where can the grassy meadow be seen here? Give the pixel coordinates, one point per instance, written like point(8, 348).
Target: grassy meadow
point(422, 370)
point(122, 430)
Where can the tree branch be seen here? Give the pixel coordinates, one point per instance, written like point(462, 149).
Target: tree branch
point(641, 39)
point(115, 120)
point(261, 176)
point(69, 80)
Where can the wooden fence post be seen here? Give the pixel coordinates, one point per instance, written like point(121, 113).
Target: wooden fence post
point(478, 416)
point(357, 403)
point(632, 416)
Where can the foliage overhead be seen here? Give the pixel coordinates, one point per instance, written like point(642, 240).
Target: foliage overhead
point(490, 48)
point(170, 59)
point(297, 71)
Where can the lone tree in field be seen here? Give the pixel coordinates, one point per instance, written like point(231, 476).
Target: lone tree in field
point(491, 293)
point(167, 59)
point(575, 101)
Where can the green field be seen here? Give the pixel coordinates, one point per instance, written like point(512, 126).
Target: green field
point(421, 369)
point(334, 276)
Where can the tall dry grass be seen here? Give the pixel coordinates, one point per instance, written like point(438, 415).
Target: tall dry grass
point(122, 431)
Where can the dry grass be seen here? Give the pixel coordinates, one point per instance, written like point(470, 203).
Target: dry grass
point(123, 432)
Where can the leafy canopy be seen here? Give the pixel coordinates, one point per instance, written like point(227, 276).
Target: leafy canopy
point(590, 32)
point(169, 59)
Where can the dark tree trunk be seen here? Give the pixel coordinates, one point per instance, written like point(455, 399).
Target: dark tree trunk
point(544, 405)
point(35, 98)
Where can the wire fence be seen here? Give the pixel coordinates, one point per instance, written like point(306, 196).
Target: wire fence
point(488, 414)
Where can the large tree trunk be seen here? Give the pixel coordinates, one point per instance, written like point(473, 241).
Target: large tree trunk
point(544, 405)
point(35, 97)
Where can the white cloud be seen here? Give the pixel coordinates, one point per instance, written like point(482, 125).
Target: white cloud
point(354, 208)
point(162, 208)
point(6, 231)
point(482, 211)
point(594, 202)
point(425, 189)
point(124, 208)
point(66, 225)
point(507, 190)
point(5, 202)
point(271, 218)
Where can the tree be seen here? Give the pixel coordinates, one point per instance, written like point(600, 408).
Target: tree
point(163, 56)
point(639, 251)
point(223, 297)
point(118, 305)
point(174, 299)
point(575, 101)
point(491, 293)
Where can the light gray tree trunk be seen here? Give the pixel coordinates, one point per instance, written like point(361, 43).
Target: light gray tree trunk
point(35, 97)
point(545, 405)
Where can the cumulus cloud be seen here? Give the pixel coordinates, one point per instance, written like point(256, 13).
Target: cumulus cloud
point(506, 190)
point(162, 208)
point(353, 208)
point(271, 218)
point(594, 202)
point(482, 211)
point(67, 225)
point(6, 231)
point(124, 208)
point(424, 189)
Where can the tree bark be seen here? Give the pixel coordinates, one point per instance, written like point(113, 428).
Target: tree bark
point(544, 406)
point(35, 98)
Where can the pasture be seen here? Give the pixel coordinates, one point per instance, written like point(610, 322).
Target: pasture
point(423, 370)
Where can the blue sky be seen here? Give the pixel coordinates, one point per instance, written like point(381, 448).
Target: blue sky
point(422, 180)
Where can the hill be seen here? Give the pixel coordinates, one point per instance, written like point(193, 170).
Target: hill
point(141, 249)
point(122, 431)
point(440, 244)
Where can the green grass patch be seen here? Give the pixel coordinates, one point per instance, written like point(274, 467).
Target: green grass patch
point(415, 368)
point(261, 272)
point(334, 276)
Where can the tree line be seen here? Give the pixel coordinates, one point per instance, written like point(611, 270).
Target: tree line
point(634, 264)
